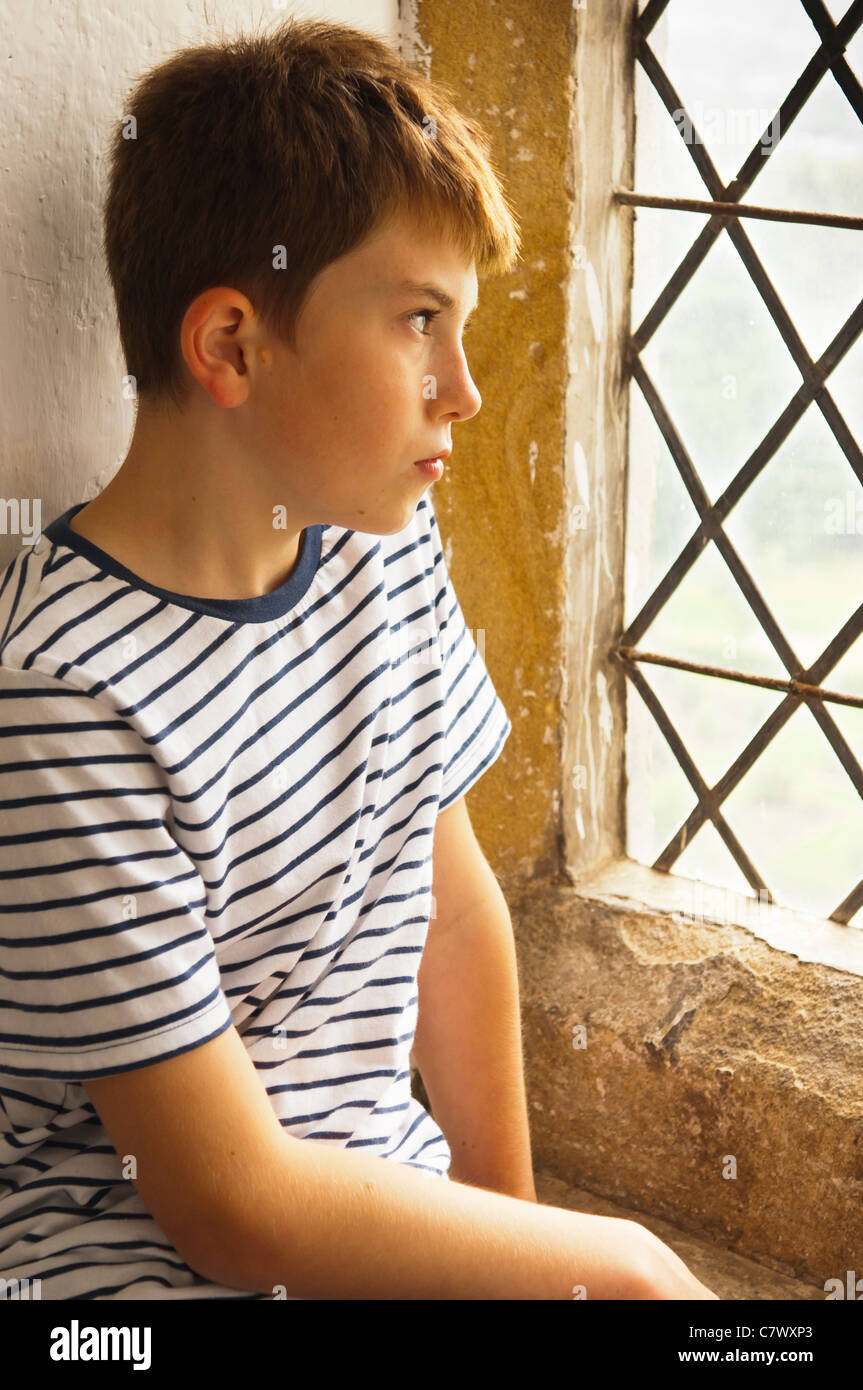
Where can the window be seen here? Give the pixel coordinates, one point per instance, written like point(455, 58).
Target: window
point(743, 641)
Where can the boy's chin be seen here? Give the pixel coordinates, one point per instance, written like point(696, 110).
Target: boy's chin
point(386, 521)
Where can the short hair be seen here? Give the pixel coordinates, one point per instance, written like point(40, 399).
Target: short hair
point(308, 137)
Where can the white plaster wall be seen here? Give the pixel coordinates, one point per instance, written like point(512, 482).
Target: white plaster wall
point(64, 424)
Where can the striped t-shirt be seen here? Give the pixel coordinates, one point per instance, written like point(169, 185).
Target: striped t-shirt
point(217, 811)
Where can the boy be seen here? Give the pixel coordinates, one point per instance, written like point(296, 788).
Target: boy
point(241, 712)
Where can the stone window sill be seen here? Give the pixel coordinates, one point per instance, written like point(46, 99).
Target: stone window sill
point(626, 884)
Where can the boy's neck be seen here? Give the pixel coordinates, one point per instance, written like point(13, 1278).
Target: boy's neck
point(184, 521)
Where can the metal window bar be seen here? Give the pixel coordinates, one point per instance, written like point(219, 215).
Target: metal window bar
point(726, 210)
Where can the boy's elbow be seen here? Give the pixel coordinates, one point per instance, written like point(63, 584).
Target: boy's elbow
point(221, 1258)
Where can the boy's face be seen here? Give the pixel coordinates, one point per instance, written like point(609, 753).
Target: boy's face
point(371, 385)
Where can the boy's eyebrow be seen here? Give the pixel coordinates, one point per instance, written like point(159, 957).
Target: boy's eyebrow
point(434, 291)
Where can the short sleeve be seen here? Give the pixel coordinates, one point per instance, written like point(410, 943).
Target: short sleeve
point(106, 960)
point(477, 724)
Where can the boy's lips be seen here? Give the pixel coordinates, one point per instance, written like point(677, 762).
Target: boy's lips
point(431, 468)
point(441, 454)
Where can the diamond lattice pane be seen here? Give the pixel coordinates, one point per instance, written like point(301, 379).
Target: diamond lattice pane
point(720, 366)
point(817, 273)
point(815, 165)
point(732, 65)
point(793, 530)
point(800, 819)
point(707, 619)
point(715, 718)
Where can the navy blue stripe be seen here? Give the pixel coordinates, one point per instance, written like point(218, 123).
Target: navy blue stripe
point(94, 1072)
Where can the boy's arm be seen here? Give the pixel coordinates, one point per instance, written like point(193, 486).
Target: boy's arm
point(250, 1206)
point(468, 1037)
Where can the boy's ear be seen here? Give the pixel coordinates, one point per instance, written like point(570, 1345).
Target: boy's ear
point(218, 337)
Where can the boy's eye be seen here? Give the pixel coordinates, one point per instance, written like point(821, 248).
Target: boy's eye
point(432, 314)
point(424, 314)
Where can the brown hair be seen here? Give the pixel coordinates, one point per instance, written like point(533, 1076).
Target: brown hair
point(308, 136)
